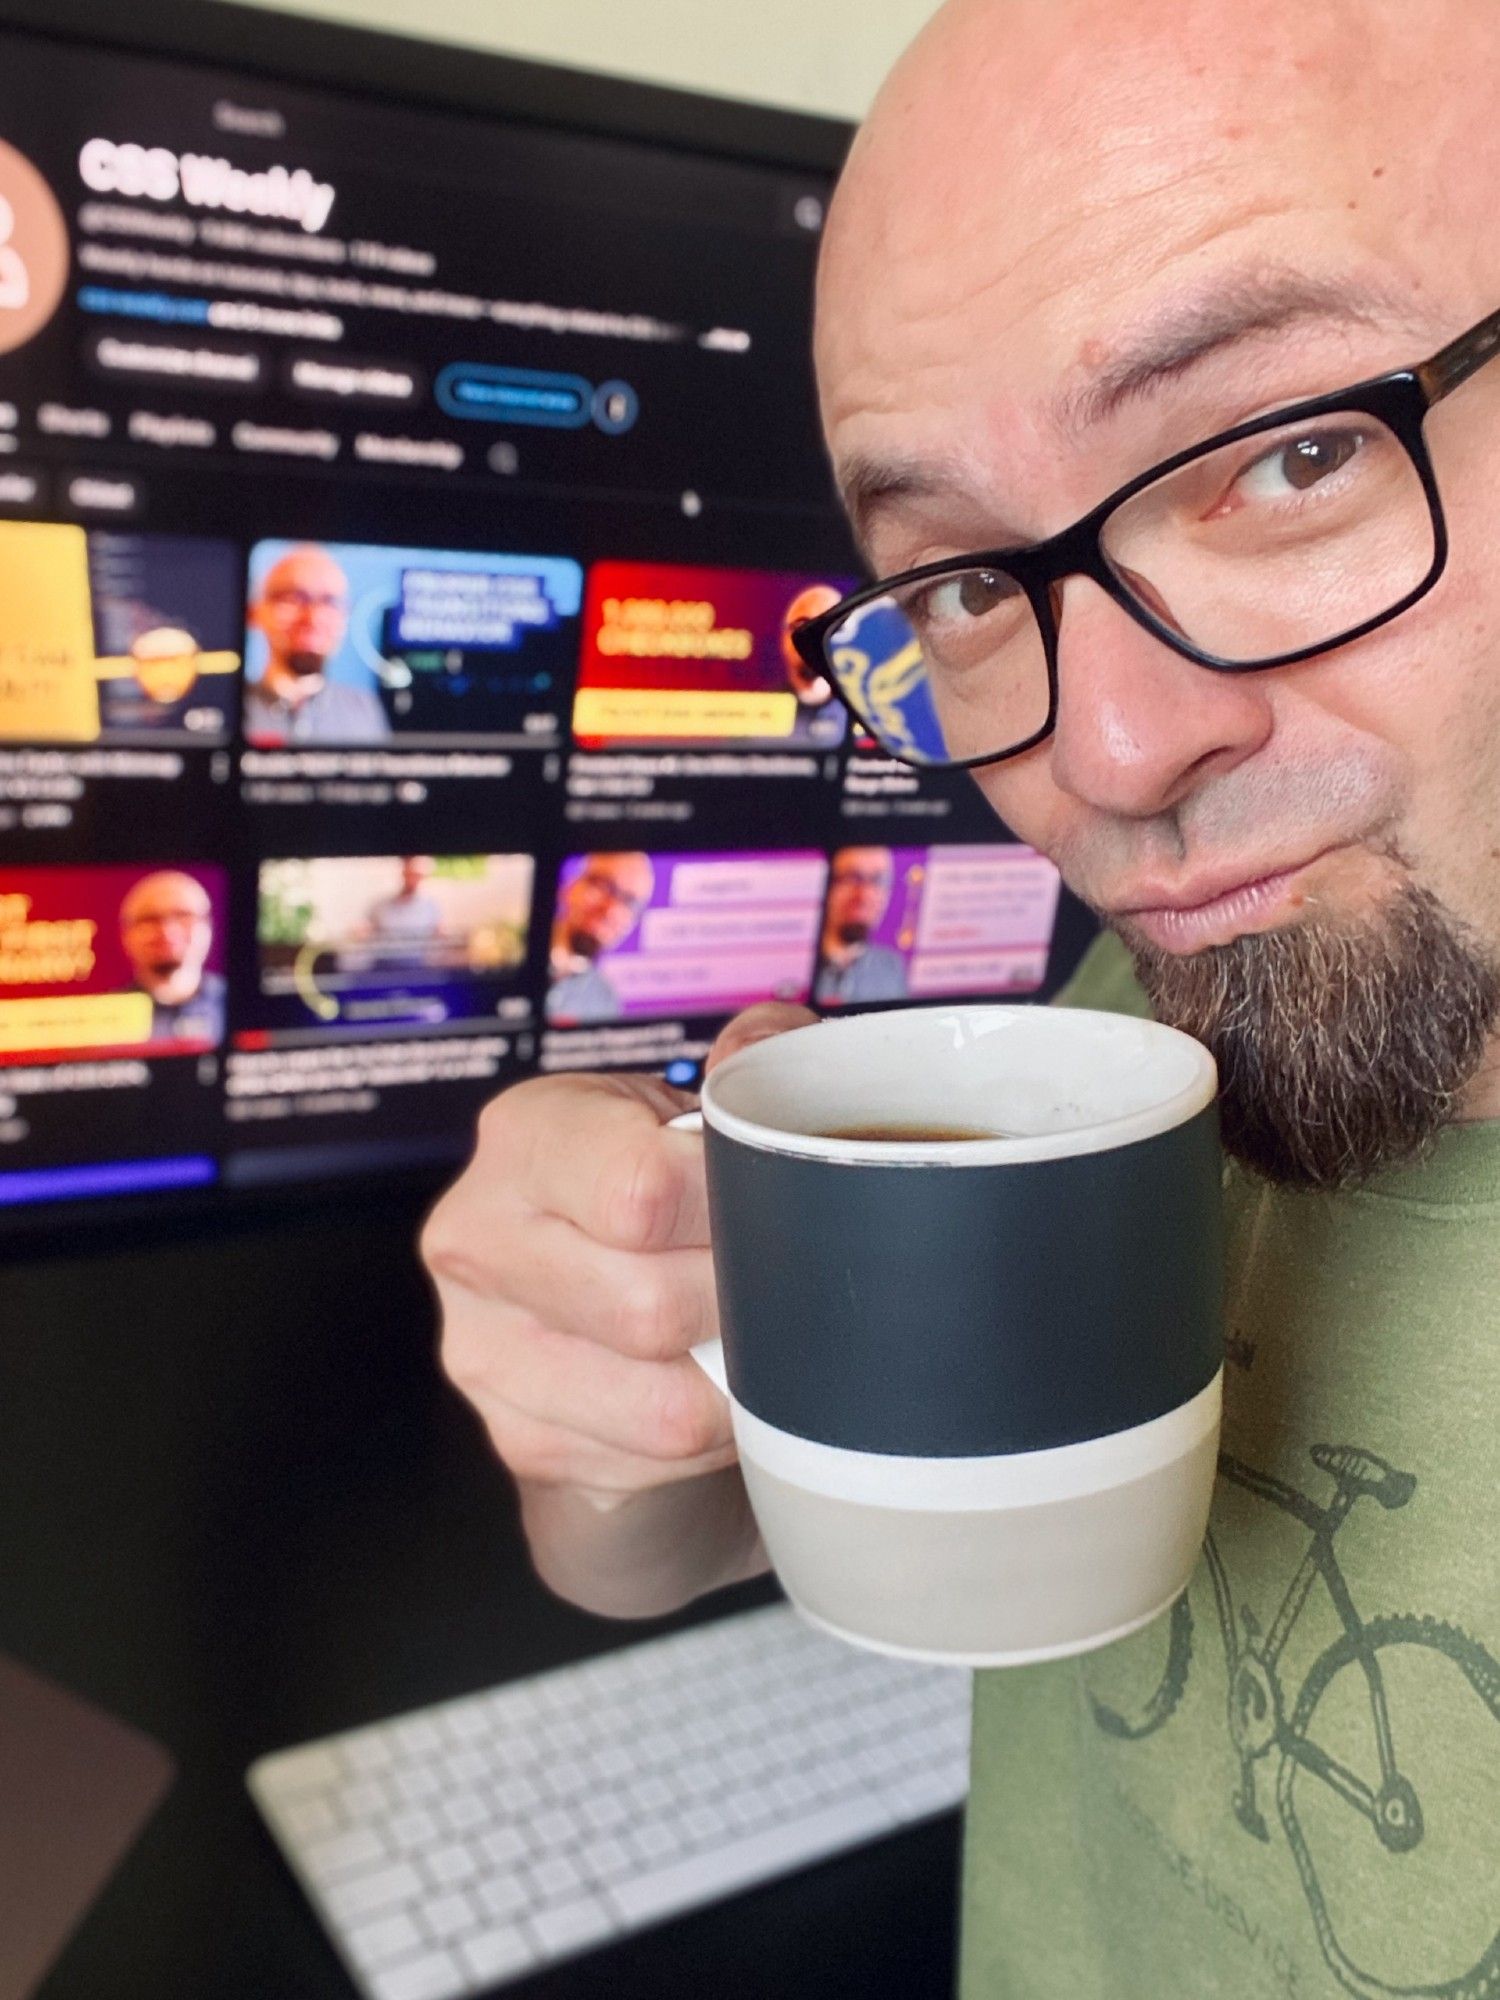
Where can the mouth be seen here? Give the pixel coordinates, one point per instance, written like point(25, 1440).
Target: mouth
point(1217, 907)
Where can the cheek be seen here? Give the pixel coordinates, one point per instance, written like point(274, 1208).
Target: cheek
point(1023, 794)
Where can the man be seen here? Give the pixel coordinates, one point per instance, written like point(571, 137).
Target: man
point(410, 916)
point(166, 927)
point(817, 720)
point(850, 968)
point(302, 613)
point(401, 930)
point(1076, 238)
point(596, 912)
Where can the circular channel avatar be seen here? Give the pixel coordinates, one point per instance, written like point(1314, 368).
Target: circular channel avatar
point(33, 250)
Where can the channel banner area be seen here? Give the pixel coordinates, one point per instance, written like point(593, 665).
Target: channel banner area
point(681, 655)
point(108, 637)
point(351, 643)
point(111, 961)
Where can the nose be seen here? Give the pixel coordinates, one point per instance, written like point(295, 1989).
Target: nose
point(1139, 728)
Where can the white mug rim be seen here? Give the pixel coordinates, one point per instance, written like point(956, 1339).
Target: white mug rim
point(1095, 1136)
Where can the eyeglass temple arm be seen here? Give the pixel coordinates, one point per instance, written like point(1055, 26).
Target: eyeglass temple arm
point(1457, 361)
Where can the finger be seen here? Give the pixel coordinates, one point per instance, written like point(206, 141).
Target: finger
point(500, 1358)
point(593, 1151)
point(546, 1455)
point(758, 1024)
point(651, 1307)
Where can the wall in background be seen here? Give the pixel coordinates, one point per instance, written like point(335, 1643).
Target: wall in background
point(813, 55)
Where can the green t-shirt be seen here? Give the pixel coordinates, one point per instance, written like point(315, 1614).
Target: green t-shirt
point(1323, 1818)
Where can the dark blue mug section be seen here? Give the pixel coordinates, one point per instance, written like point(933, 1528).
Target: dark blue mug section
point(937, 1311)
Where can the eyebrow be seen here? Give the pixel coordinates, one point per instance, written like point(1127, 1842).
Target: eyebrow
point(1241, 308)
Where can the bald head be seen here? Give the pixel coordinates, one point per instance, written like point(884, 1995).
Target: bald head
point(602, 904)
point(1078, 237)
point(166, 927)
point(302, 611)
point(1043, 183)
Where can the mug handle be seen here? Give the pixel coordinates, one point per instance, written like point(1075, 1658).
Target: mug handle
point(709, 1354)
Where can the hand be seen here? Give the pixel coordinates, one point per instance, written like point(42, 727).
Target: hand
point(572, 1268)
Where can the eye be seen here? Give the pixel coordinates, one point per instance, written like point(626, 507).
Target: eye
point(1297, 464)
point(960, 599)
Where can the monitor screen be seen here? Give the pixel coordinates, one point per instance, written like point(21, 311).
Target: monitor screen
point(403, 509)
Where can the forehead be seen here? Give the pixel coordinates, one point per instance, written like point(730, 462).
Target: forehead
point(307, 569)
point(1015, 214)
point(178, 897)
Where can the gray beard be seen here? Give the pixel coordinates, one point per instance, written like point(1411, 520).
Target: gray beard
point(1341, 1051)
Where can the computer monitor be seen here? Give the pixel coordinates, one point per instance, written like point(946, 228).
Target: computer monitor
point(409, 471)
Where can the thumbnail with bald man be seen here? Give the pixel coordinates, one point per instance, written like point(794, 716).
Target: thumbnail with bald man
point(596, 911)
point(853, 966)
point(167, 930)
point(301, 612)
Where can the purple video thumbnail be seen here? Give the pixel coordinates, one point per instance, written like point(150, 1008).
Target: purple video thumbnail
point(639, 936)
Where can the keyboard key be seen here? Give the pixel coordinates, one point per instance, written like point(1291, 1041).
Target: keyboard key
point(497, 1953)
point(571, 1926)
point(415, 1828)
point(448, 1917)
point(369, 1752)
point(433, 1976)
point(605, 1859)
point(417, 1783)
point(365, 1894)
point(386, 1938)
point(342, 1853)
point(462, 1811)
point(713, 1872)
point(555, 1877)
point(467, 1722)
point(313, 1768)
point(503, 1896)
point(417, 1736)
point(452, 1864)
point(309, 1819)
point(554, 1828)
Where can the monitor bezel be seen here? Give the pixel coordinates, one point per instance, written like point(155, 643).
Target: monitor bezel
point(440, 75)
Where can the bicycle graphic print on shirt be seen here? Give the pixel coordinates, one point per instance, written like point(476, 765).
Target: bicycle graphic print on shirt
point(1339, 1749)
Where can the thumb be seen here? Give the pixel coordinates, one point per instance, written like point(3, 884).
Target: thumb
point(758, 1024)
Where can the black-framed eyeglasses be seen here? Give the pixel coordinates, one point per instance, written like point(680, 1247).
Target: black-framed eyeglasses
point(1270, 543)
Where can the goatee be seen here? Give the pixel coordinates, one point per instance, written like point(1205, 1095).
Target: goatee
point(1342, 1050)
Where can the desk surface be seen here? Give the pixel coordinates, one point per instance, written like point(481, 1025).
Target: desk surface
point(239, 1508)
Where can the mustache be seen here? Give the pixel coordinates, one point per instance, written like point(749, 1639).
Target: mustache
point(1259, 806)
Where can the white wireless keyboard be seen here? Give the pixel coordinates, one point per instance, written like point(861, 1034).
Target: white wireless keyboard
point(459, 1847)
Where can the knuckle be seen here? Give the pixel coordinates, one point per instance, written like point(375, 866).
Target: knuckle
point(438, 1240)
point(653, 1320)
point(644, 1196)
point(466, 1361)
point(542, 1457)
point(495, 1129)
point(451, 1248)
point(680, 1421)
